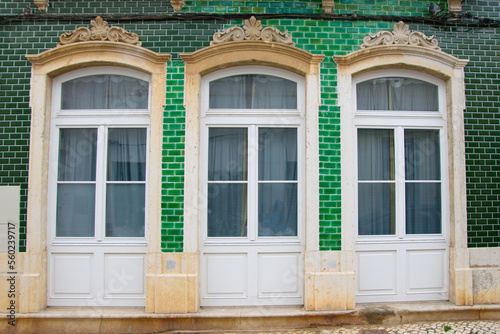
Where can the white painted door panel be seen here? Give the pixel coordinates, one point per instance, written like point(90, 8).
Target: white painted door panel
point(72, 275)
point(426, 270)
point(226, 275)
point(279, 275)
point(106, 276)
point(384, 264)
point(408, 272)
point(262, 275)
point(124, 275)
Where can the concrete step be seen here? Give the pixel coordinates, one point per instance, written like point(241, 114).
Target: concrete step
point(136, 320)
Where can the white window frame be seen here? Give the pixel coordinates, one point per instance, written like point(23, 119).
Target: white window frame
point(253, 119)
point(399, 121)
point(101, 120)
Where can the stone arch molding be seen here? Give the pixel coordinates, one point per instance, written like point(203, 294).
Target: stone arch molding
point(402, 49)
point(99, 46)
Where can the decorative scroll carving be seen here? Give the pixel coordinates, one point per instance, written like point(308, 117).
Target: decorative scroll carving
point(400, 35)
point(100, 31)
point(455, 6)
point(328, 6)
point(42, 5)
point(177, 4)
point(252, 31)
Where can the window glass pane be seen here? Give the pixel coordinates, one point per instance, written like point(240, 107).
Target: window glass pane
point(422, 153)
point(253, 91)
point(277, 154)
point(375, 154)
point(227, 210)
point(277, 209)
point(227, 154)
point(105, 92)
point(376, 211)
point(125, 208)
point(77, 154)
point(127, 154)
point(423, 208)
point(75, 210)
point(405, 94)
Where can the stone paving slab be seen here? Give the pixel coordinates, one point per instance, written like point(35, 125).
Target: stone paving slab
point(451, 327)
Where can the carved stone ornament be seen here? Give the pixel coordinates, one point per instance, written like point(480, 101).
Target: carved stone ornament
point(328, 6)
point(252, 31)
point(177, 4)
point(400, 35)
point(42, 5)
point(100, 31)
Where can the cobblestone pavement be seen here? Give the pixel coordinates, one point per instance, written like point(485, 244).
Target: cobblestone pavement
point(462, 327)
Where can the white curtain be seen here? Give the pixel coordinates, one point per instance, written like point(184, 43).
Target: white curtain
point(423, 199)
point(405, 94)
point(125, 187)
point(277, 200)
point(105, 92)
point(253, 92)
point(376, 215)
point(76, 183)
point(228, 191)
point(126, 176)
point(227, 200)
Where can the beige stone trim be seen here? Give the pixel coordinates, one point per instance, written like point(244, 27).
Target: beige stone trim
point(240, 53)
point(450, 70)
point(46, 66)
point(246, 52)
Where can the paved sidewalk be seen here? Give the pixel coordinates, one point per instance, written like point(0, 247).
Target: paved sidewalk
point(451, 327)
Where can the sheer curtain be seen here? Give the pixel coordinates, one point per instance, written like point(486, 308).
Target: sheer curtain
point(423, 186)
point(105, 91)
point(227, 186)
point(253, 91)
point(75, 213)
point(376, 198)
point(405, 94)
point(277, 200)
point(126, 188)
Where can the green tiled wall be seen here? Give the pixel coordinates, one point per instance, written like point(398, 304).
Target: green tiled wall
point(320, 36)
point(172, 192)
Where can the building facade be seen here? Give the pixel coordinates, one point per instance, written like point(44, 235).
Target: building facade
point(174, 155)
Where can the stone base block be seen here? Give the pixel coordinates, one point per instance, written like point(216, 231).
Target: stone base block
point(485, 266)
point(173, 286)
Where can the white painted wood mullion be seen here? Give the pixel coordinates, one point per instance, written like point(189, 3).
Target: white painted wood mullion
point(399, 161)
point(100, 191)
point(252, 185)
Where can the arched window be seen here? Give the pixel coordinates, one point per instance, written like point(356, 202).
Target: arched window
point(252, 181)
point(400, 140)
point(403, 205)
point(272, 144)
point(97, 190)
point(400, 124)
